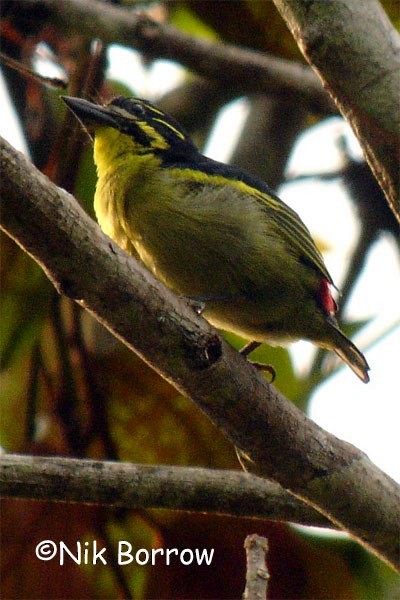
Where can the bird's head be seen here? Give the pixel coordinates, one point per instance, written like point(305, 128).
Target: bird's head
point(145, 128)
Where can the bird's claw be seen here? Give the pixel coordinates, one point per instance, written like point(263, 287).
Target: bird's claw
point(246, 350)
point(264, 367)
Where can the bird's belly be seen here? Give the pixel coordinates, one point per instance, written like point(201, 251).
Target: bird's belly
point(260, 306)
point(263, 321)
point(205, 249)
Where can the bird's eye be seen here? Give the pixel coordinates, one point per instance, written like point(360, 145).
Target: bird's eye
point(139, 110)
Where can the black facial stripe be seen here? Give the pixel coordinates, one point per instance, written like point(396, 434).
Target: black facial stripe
point(133, 129)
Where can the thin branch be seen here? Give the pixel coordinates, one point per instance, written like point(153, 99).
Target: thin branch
point(272, 127)
point(51, 82)
point(354, 49)
point(257, 574)
point(245, 70)
point(68, 398)
point(196, 102)
point(32, 392)
point(98, 426)
point(127, 485)
point(284, 444)
point(120, 575)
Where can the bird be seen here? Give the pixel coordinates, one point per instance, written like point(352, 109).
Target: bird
point(210, 231)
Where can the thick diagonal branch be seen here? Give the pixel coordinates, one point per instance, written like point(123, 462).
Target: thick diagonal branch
point(286, 446)
point(355, 50)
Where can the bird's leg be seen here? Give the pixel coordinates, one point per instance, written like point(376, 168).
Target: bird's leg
point(248, 349)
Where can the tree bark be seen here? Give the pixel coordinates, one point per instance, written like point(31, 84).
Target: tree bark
point(243, 71)
point(355, 51)
point(332, 476)
point(257, 574)
point(127, 485)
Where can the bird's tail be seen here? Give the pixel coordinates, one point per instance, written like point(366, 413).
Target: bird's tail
point(349, 353)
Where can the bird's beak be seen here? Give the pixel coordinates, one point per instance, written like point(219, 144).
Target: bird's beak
point(89, 113)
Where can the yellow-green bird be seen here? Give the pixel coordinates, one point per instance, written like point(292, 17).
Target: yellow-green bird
point(210, 231)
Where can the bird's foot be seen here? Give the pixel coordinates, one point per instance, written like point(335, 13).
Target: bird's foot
point(247, 349)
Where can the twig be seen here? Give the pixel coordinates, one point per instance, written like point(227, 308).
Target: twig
point(96, 400)
point(120, 575)
point(68, 398)
point(32, 390)
point(51, 82)
point(257, 575)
